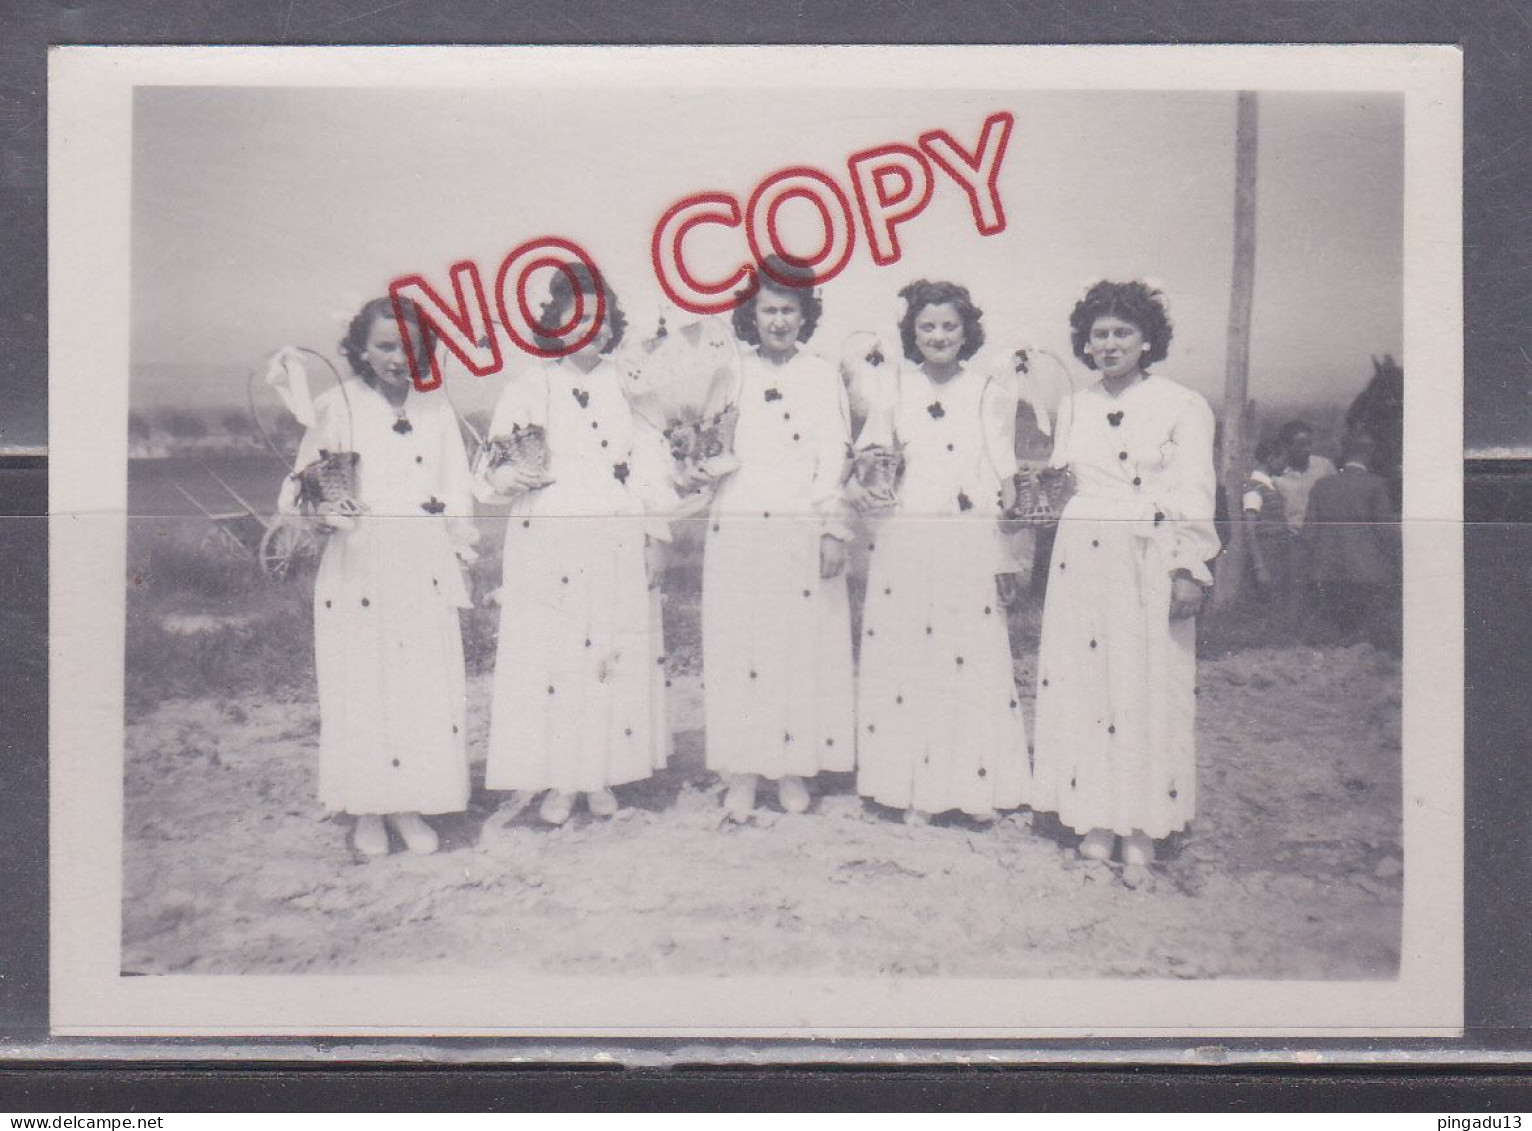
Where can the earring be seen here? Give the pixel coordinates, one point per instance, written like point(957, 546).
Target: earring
point(1143, 348)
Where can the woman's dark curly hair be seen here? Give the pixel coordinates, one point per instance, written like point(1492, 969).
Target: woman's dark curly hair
point(769, 279)
point(923, 293)
point(561, 297)
point(353, 346)
point(1133, 302)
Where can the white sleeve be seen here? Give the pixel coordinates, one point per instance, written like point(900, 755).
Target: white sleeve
point(1187, 499)
point(832, 428)
point(649, 478)
point(998, 405)
point(1060, 456)
point(457, 485)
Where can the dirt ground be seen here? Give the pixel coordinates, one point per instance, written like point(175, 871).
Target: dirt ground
point(1292, 869)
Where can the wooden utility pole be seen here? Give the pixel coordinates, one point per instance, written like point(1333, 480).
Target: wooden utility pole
point(1231, 470)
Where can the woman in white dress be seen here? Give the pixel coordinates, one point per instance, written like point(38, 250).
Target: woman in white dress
point(579, 689)
point(387, 643)
point(776, 624)
point(1115, 749)
point(939, 726)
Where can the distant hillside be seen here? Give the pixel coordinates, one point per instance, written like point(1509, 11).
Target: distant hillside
point(198, 387)
point(216, 388)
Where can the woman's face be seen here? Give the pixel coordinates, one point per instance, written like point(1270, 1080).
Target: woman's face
point(778, 321)
point(384, 352)
point(1115, 345)
point(603, 335)
point(939, 333)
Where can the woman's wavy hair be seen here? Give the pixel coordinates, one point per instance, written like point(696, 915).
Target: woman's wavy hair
point(923, 293)
point(561, 297)
point(1134, 302)
point(801, 288)
point(353, 346)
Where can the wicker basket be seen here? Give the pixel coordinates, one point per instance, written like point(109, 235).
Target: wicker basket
point(329, 481)
point(879, 471)
point(1041, 494)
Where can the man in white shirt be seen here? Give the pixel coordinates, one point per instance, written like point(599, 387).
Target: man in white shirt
point(1304, 469)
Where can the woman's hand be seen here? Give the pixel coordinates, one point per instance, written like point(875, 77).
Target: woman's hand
point(508, 479)
point(855, 495)
point(1007, 589)
point(656, 554)
point(1186, 597)
point(689, 506)
point(863, 500)
point(337, 518)
point(832, 556)
point(691, 477)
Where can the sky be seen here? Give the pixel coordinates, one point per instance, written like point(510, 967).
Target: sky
point(266, 216)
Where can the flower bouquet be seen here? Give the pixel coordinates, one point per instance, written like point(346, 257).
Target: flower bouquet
point(525, 450)
point(707, 443)
point(682, 384)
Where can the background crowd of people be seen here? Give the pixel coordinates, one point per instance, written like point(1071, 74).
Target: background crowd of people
point(1324, 541)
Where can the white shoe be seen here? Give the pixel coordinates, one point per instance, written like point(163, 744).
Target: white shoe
point(1097, 844)
point(1138, 850)
point(369, 836)
point(419, 837)
point(982, 816)
point(917, 818)
point(601, 803)
point(793, 794)
point(556, 807)
point(739, 802)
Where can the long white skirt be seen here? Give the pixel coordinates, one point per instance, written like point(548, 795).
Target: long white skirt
point(579, 690)
point(939, 725)
point(388, 652)
point(776, 641)
point(1115, 742)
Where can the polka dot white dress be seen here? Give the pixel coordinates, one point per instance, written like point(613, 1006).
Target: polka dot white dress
point(1115, 744)
point(579, 690)
point(939, 725)
point(776, 636)
point(388, 646)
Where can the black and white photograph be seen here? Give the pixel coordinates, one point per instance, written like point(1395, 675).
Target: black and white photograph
point(758, 540)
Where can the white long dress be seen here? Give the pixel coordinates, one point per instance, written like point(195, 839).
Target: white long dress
point(1115, 744)
point(388, 646)
point(939, 725)
point(776, 637)
point(579, 688)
